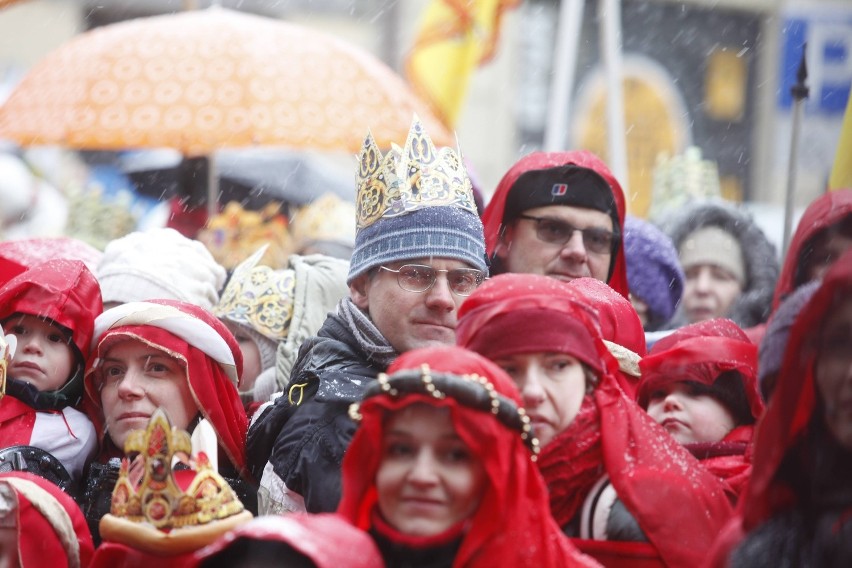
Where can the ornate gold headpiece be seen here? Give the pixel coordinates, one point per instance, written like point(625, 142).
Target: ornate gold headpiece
point(259, 297)
point(169, 511)
point(410, 178)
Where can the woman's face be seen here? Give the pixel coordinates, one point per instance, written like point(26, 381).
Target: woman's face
point(552, 386)
point(252, 366)
point(134, 380)
point(834, 371)
point(709, 292)
point(428, 479)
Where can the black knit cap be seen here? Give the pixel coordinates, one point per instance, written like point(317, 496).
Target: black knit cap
point(562, 185)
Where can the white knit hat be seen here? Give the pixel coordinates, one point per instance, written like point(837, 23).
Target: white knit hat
point(159, 264)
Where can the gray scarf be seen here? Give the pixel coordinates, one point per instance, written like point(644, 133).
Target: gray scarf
point(369, 338)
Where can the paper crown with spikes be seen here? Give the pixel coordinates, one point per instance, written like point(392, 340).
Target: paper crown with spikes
point(414, 202)
point(170, 510)
point(259, 297)
point(409, 178)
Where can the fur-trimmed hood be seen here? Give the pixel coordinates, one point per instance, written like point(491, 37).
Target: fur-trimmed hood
point(755, 303)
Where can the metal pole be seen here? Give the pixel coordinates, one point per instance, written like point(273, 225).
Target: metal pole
point(609, 12)
point(564, 65)
point(800, 92)
point(212, 186)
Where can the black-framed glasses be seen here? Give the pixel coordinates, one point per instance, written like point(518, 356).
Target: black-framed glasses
point(420, 278)
point(558, 232)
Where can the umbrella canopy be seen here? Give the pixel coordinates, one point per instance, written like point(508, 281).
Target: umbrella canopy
point(202, 80)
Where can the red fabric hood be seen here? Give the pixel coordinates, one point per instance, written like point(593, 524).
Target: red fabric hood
point(700, 352)
point(61, 290)
point(50, 525)
point(328, 540)
point(217, 397)
point(823, 212)
point(492, 217)
point(511, 527)
point(792, 404)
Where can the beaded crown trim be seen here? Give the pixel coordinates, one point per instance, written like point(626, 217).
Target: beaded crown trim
point(471, 390)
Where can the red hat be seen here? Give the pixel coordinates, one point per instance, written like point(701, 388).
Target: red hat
point(528, 313)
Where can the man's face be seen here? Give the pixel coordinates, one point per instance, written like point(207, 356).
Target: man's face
point(522, 250)
point(410, 320)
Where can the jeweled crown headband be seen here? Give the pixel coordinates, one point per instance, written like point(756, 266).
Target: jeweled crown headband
point(470, 390)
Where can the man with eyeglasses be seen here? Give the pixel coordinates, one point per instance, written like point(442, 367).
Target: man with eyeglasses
point(419, 252)
point(559, 214)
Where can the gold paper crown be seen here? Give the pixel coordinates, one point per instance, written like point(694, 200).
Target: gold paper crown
point(259, 297)
point(158, 498)
point(410, 178)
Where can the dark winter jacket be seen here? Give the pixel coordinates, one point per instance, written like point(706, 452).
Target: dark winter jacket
point(755, 303)
point(306, 432)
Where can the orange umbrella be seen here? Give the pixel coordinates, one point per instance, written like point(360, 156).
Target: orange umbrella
point(202, 80)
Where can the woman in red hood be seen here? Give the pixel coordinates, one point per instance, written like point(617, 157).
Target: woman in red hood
point(700, 384)
point(579, 191)
point(612, 472)
point(441, 472)
point(822, 235)
point(797, 508)
point(40, 525)
point(169, 354)
point(51, 310)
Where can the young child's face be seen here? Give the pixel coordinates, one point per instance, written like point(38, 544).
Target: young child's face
point(44, 356)
point(552, 386)
point(134, 380)
point(428, 479)
point(688, 416)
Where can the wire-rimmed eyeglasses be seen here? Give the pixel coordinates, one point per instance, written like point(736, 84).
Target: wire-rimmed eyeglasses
point(557, 232)
point(421, 278)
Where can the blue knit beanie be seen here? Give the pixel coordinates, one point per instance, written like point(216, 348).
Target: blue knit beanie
point(441, 231)
point(653, 269)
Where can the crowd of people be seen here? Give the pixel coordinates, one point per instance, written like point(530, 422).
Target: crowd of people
point(542, 381)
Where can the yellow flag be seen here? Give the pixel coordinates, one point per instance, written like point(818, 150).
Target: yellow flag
point(841, 172)
point(455, 36)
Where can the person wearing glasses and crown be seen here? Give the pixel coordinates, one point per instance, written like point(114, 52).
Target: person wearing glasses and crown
point(419, 251)
point(558, 214)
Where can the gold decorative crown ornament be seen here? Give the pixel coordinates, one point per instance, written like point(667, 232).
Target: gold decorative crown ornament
point(169, 510)
point(259, 297)
point(409, 178)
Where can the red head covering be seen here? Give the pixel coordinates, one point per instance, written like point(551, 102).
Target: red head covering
point(492, 217)
point(701, 352)
point(61, 290)
point(646, 466)
point(511, 526)
point(51, 527)
point(528, 313)
point(620, 325)
point(209, 352)
point(328, 541)
point(822, 213)
point(792, 405)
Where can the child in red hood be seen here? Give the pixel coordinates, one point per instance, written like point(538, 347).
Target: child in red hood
point(700, 384)
point(50, 309)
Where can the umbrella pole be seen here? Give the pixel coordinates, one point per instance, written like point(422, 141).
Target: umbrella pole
point(212, 186)
point(800, 92)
